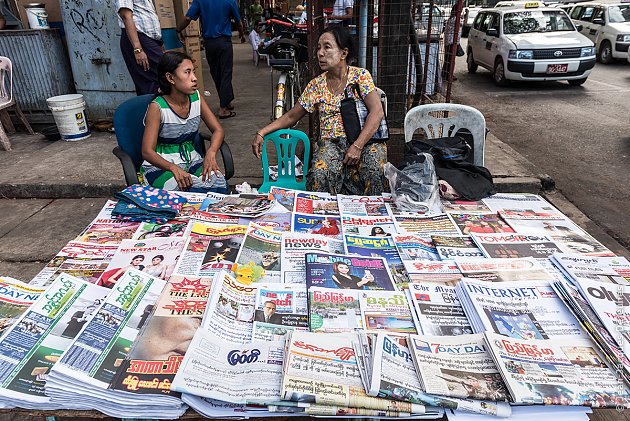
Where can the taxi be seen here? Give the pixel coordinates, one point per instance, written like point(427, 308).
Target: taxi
point(532, 42)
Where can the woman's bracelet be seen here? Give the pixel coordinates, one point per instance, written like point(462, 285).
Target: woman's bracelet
point(357, 147)
point(260, 134)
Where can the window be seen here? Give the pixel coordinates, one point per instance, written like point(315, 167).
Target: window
point(576, 12)
point(536, 21)
point(599, 13)
point(486, 22)
point(587, 14)
point(494, 24)
point(618, 14)
point(478, 20)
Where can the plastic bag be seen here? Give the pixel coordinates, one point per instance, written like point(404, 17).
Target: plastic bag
point(415, 188)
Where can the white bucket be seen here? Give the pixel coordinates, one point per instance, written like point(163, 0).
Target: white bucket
point(69, 114)
point(37, 16)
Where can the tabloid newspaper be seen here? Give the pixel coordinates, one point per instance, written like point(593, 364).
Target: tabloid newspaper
point(440, 224)
point(155, 256)
point(247, 206)
point(108, 231)
point(258, 259)
point(527, 310)
point(540, 213)
point(322, 369)
point(457, 366)
point(580, 243)
point(481, 223)
point(361, 205)
point(347, 272)
point(278, 222)
point(159, 349)
point(503, 270)
point(279, 308)
point(316, 203)
point(15, 298)
point(415, 247)
point(285, 197)
point(327, 225)
point(210, 249)
point(556, 372)
point(394, 376)
point(172, 228)
point(333, 310)
point(451, 247)
point(500, 201)
point(196, 202)
point(379, 246)
point(438, 310)
point(544, 226)
point(465, 206)
point(293, 251)
point(374, 226)
point(31, 346)
point(515, 245)
point(387, 311)
point(85, 261)
point(420, 271)
point(237, 373)
point(605, 269)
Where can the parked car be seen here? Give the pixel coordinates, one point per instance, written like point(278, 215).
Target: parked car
point(533, 44)
point(421, 21)
point(525, 4)
point(607, 25)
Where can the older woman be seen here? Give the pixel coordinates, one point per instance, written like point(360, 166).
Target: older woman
point(338, 167)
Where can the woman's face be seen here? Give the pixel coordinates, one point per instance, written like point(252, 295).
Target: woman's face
point(137, 261)
point(343, 268)
point(329, 54)
point(378, 230)
point(184, 79)
point(156, 261)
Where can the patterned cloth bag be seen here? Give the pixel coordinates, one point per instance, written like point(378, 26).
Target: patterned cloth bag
point(354, 112)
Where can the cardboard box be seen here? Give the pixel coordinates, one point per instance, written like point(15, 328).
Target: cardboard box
point(192, 45)
point(52, 8)
point(166, 13)
point(181, 7)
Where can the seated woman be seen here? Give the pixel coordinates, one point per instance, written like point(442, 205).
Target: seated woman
point(338, 167)
point(171, 126)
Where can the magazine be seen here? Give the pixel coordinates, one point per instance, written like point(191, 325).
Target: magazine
point(544, 226)
point(458, 247)
point(15, 298)
point(386, 311)
point(480, 223)
point(258, 259)
point(544, 213)
point(373, 226)
point(415, 247)
point(194, 203)
point(327, 225)
point(465, 206)
point(515, 245)
point(347, 272)
point(383, 247)
point(438, 310)
point(361, 205)
point(333, 310)
point(316, 203)
point(501, 201)
point(293, 251)
point(279, 307)
point(457, 366)
point(503, 270)
point(244, 205)
point(427, 225)
point(278, 222)
point(556, 372)
point(604, 269)
point(580, 243)
point(108, 231)
point(285, 197)
point(420, 271)
point(172, 228)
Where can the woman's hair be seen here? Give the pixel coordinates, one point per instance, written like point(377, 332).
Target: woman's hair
point(377, 230)
point(343, 39)
point(158, 256)
point(169, 62)
point(138, 256)
point(336, 266)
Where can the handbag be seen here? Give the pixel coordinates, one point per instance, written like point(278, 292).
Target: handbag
point(460, 51)
point(354, 112)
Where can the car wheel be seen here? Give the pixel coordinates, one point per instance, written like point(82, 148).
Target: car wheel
point(576, 82)
point(470, 62)
point(499, 73)
point(605, 53)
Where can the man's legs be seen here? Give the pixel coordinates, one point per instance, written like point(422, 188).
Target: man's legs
point(145, 82)
point(220, 59)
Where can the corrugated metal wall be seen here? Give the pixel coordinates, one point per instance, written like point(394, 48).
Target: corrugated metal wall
point(40, 69)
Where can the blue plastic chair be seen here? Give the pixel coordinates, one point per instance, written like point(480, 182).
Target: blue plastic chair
point(129, 127)
point(286, 142)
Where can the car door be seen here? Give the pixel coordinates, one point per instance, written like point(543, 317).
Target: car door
point(596, 25)
point(489, 43)
point(584, 15)
point(474, 37)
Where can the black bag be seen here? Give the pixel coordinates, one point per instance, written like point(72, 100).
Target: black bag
point(460, 50)
point(453, 163)
point(353, 114)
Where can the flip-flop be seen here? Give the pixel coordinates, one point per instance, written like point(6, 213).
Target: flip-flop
point(232, 114)
point(230, 107)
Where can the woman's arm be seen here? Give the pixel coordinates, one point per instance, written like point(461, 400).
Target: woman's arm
point(285, 121)
point(373, 120)
point(149, 142)
point(218, 134)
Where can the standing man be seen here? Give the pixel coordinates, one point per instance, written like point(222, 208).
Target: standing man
point(217, 40)
point(342, 13)
point(256, 11)
point(140, 42)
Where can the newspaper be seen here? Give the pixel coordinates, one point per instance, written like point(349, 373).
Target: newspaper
point(503, 270)
point(387, 311)
point(316, 203)
point(258, 259)
point(415, 247)
point(500, 201)
point(457, 366)
point(459, 247)
point(383, 247)
point(465, 206)
point(347, 272)
point(327, 225)
point(15, 298)
point(528, 310)
point(322, 369)
point(438, 310)
point(427, 225)
point(374, 226)
point(238, 373)
point(248, 206)
point(544, 226)
point(274, 221)
point(195, 202)
point(172, 228)
point(108, 231)
point(361, 205)
point(515, 245)
point(420, 271)
point(210, 249)
point(604, 269)
point(394, 376)
point(544, 213)
point(584, 244)
point(293, 251)
point(279, 307)
point(480, 223)
point(556, 372)
point(31, 346)
point(285, 197)
point(333, 310)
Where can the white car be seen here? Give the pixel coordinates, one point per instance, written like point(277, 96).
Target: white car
point(607, 25)
point(532, 44)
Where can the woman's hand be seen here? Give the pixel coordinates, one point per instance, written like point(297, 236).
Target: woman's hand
point(210, 167)
point(353, 155)
point(257, 145)
point(184, 180)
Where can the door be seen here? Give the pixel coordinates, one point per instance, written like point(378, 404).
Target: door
point(488, 43)
point(475, 36)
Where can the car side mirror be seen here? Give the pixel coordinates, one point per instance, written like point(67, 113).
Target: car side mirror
point(492, 32)
point(579, 28)
point(598, 21)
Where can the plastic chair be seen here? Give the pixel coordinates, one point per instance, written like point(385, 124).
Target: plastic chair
point(451, 119)
point(129, 128)
point(383, 98)
point(286, 142)
point(7, 100)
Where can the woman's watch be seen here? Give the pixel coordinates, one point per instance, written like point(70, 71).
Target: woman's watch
point(137, 50)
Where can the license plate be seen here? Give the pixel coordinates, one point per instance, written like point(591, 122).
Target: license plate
point(557, 68)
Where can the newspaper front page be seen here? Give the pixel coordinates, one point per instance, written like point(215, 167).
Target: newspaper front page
point(415, 247)
point(420, 271)
point(383, 247)
point(333, 310)
point(387, 311)
point(279, 308)
point(361, 205)
point(293, 251)
point(458, 247)
point(347, 272)
point(504, 270)
point(15, 298)
point(438, 310)
point(258, 259)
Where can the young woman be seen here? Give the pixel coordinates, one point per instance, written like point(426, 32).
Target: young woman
point(110, 277)
point(171, 126)
point(344, 280)
point(157, 267)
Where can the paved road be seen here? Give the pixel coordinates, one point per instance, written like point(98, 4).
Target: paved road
point(580, 136)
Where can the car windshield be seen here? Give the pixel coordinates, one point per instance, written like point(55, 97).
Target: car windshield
point(536, 21)
point(618, 14)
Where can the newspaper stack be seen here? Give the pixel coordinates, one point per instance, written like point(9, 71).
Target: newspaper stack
point(15, 298)
point(31, 346)
point(436, 310)
point(605, 269)
point(85, 370)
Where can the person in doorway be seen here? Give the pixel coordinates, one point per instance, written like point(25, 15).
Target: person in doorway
point(217, 40)
point(140, 42)
point(451, 43)
point(342, 13)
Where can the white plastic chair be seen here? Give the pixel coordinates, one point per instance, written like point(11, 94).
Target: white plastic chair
point(255, 54)
point(6, 101)
point(383, 98)
point(445, 120)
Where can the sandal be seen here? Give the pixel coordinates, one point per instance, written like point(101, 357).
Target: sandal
point(232, 114)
